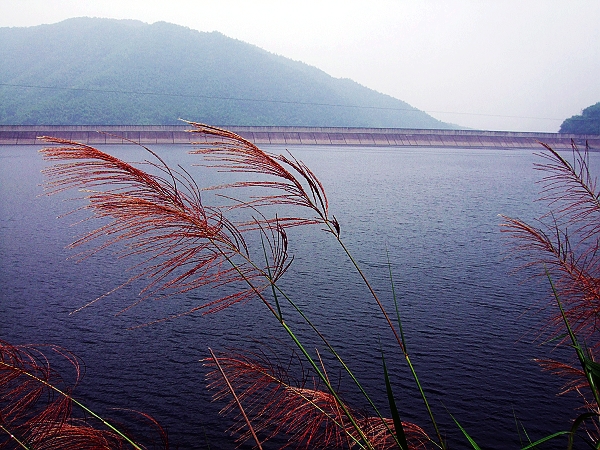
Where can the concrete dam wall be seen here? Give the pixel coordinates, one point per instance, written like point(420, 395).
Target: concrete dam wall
point(387, 137)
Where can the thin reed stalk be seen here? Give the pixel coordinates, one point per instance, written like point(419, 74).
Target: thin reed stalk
point(35, 413)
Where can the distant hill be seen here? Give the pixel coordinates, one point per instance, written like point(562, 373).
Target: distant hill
point(588, 122)
point(129, 72)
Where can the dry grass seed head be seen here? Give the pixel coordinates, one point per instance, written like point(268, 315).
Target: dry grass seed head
point(35, 413)
point(183, 244)
point(295, 184)
point(308, 416)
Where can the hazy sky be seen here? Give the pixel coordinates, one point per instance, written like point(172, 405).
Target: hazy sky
point(490, 64)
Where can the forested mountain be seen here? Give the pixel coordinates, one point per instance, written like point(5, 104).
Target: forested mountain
point(586, 123)
point(128, 72)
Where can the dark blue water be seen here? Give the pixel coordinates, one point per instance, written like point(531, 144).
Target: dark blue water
point(469, 323)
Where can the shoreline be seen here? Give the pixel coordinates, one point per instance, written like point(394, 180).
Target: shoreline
point(344, 136)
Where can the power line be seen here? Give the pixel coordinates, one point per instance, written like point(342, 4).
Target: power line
point(166, 94)
point(288, 102)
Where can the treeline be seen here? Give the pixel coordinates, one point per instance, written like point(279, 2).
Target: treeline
point(104, 71)
point(588, 122)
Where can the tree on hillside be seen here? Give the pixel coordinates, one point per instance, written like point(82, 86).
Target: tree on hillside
point(586, 123)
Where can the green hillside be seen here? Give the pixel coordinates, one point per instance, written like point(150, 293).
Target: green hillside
point(129, 72)
point(588, 122)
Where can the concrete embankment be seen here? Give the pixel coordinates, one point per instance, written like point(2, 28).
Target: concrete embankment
point(388, 137)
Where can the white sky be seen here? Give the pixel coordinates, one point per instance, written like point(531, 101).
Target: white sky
point(522, 65)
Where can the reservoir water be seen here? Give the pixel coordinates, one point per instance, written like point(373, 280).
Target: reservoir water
point(471, 324)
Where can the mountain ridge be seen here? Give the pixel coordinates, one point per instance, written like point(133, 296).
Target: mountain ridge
point(109, 71)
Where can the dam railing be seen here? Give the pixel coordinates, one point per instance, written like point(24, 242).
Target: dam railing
point(271, 135)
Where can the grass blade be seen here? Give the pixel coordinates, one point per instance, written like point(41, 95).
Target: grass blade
point(576, 424)
point(396, 301)
point(399, 435)
point(464, 432)
point(545, 439)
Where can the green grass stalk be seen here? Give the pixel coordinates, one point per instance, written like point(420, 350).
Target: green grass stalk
point(584, 361)
point(399, 434)
point(81, 405)
point(396, 301)
point(299, 345)
point(398, 338)
point(338, 358)
point(14, 438)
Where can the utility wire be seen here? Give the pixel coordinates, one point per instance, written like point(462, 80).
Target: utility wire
point(288, 102)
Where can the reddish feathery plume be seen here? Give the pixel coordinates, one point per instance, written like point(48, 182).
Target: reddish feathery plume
point(184, 244)
point(308, 416)
point(36, 409)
